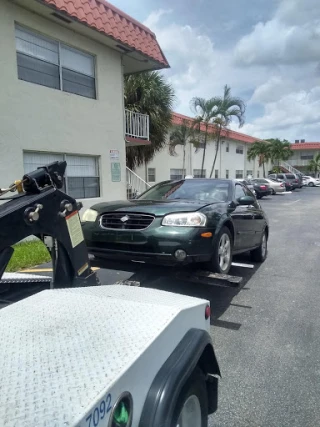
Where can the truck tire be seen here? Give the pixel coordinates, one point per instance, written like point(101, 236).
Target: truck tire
point(192, 405)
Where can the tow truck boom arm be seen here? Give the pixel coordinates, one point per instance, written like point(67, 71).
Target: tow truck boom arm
point(42, 209)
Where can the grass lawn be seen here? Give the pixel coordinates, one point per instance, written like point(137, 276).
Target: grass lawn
point(28, 254)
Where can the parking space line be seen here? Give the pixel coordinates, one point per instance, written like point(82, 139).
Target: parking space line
point(291, 203)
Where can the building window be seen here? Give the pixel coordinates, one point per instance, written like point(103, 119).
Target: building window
point(227, 147)
point(258, 174)
point(239, 174)
point(197, 173)
point(249, 172)
point(216, 173)
point(239, 149)
point(151, 174)
point(227, 173)
point(46, 62)
point(306, 157)
point(177, 174)
point(82, 179)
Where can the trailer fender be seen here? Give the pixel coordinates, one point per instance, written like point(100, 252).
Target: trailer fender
point(195, 349)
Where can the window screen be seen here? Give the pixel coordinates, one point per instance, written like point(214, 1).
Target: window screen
point(198, 174)
point(82, 176)
point(47, 62)
point(151, 174)
point(177, 174)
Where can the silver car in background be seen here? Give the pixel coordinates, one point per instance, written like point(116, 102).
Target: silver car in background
point(276, 186)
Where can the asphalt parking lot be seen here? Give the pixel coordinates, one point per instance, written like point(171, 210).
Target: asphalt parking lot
point(266, 332)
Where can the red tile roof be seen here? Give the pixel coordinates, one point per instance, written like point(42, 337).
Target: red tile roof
point(306, 146)
point(177, 120)
point(107, 19)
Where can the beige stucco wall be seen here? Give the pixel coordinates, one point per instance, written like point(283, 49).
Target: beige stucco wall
point(33, 117)
point(231, 160)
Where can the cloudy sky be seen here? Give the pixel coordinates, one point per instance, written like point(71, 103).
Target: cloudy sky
point(268, 51)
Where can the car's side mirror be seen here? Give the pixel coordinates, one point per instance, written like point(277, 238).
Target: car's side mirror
point(246, 200)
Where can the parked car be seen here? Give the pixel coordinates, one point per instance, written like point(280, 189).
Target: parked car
point(180, 222)
point(248, 184)
point(261, 188)
point(300, 176)
point(310, 181)
point(291, 181)
point(275, 186)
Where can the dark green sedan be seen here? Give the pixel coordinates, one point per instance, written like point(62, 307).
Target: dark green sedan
point(180, 222)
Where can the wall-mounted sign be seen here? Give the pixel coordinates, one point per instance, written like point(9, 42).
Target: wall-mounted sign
point(115, 172)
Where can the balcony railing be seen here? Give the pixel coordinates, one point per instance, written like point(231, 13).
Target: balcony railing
point(137, 125)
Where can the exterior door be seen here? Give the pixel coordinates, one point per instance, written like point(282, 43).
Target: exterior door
point(243, 217)
point(258, 221)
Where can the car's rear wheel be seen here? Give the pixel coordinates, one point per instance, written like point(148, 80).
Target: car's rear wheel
point(222, 252)
point(311, 184)
point(260, 254)
point(273, 191)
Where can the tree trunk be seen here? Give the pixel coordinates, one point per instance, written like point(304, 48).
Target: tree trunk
point(184, 160)
point(204, 149)
point(264, 170)
point(216, 154)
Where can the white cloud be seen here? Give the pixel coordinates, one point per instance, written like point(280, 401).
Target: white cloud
point(293, 116)
point(288, 46)
point(154, 17)
point(291, 37)
point(198, 67)
point(277, 64)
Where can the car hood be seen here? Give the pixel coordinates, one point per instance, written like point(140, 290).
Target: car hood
point(154, 207)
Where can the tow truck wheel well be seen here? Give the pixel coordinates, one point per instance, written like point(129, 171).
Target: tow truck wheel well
point(194, 350)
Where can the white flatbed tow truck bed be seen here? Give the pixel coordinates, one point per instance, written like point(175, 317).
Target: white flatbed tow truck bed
point(66, 351)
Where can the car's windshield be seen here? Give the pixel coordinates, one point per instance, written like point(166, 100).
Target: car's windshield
point(194, 190)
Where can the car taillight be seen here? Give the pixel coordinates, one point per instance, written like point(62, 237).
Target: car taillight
point(282, 185)
point(295, 180)
point(263, 187)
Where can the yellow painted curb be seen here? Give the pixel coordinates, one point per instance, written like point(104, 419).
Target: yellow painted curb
point(47, 270)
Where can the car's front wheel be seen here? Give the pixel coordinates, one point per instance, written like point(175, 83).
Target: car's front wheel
point(222, 252)
point(260, 254)
point(311, 184)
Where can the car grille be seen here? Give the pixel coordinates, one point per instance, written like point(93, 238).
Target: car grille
point(126, 221)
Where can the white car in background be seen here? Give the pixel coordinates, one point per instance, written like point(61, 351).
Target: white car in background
point(310, 181)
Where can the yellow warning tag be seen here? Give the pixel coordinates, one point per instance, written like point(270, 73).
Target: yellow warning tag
point(75, 229)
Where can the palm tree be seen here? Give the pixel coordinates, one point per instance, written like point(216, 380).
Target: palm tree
point(279, 150)
point(260, 150)
point(149, 93)
point(228, 107)
point(205, 110)
point(314, 164)
point(181, 135)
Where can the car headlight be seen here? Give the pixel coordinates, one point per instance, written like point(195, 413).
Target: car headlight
point(89, 215)
point(190, 219)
